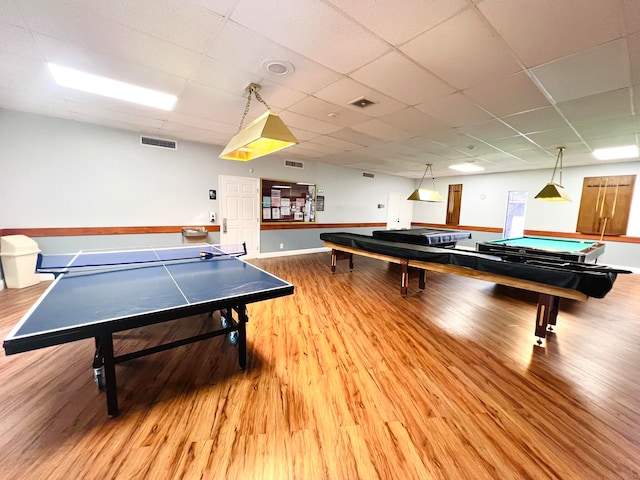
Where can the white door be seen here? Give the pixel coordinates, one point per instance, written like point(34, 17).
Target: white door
point(400, 211)
point(239, 218)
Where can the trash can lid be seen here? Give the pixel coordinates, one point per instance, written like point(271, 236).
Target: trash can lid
point(17, 245)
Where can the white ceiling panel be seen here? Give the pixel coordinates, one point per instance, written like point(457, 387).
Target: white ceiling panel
point(616, 103)
point(297, 24)
point(455, 110)
point(508, 95)
point(402, 79)
point(606, 67)
point(382, 130)
point(410, 17)
point(542, 30)
point(346, 90)
point(467, 53)
point(537, 120)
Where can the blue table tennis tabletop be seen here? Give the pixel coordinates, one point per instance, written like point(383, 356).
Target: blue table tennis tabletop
point(98, 293)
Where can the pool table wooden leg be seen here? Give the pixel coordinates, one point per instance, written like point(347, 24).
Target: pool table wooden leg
point(547, 314)
point(404, 278)
point(338, 255)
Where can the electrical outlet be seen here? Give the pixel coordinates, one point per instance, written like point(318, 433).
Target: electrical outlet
point(212, 216)
point(281, 246)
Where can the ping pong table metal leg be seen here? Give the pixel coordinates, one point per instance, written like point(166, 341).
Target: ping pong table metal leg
point(243, 318)
point(106, 348)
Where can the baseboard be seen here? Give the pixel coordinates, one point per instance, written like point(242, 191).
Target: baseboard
point(287, 253)
point(2, 285)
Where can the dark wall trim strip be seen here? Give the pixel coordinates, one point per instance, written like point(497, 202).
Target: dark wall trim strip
point(83, 231)
point(537, 233)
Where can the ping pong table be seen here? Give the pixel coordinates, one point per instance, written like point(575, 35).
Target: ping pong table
point(98, 293)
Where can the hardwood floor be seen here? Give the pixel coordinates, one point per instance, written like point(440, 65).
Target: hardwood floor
point(346, 379)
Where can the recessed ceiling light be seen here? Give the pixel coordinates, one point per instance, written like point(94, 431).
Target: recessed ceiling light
point(278, 67)
point(86, 82)
point(467, 167)
point(616, 153)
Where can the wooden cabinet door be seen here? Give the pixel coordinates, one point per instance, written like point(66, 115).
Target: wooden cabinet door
point(605, 205)
point(453, 204)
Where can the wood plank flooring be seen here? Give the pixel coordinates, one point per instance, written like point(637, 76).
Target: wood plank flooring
point(345, 380)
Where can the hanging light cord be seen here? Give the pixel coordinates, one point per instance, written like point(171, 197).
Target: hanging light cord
point(558, 159)
point(251, 89)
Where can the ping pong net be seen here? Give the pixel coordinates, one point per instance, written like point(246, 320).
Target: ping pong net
point(101, 260)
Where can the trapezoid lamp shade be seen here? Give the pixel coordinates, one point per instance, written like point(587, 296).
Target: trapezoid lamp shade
point(424, 195)
point(552, 192)
point(266, 134)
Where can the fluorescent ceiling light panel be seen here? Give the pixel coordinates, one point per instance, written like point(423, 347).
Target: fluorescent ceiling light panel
point(86, 82)
point(467, 167)
point(615, 153)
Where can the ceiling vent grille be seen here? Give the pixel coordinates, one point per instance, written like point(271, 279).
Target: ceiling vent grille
point(368, 175)
point(159, 142)
point(293, 164)
point(361, 102)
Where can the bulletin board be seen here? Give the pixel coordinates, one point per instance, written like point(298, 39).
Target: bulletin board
point(287, 202)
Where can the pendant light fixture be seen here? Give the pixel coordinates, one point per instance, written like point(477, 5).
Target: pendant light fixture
point(554, 192)
point(266, 134)
point(423, 194)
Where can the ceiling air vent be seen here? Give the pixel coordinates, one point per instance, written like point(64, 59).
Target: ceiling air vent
point(368, 175)
point(293, 164)
point(361, 102)
point(159, 142)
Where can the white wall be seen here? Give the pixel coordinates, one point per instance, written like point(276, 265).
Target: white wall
point(484, 198)
point(61, 173)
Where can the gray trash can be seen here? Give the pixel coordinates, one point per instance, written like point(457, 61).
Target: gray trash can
point(19, 256)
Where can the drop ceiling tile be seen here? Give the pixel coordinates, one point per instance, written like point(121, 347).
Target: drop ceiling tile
point(606, 67)
point(414, 121)
point(65, 54)
point(382, 130)
point(316, 108)
point(554, 138)
point(512, 144)
point(358, 138)
point(93, 110)
point(186, 24)
point(468, 52)
point(296, 120)
point(401, 79)
point(512, 94)
point(304, 16)
point(410, 17)
point(243, 49)
point(17, 40)
point(80, 29)
point(541, 31)
point(540, 119)
point(336, 143)
point(455, 110)
point(489, 130)
point(633, 43)
point(226, 129)
point(612, 141)
point(452, 138)
point(612, 127)
point(346, 90)
point(616, 103)
point(631, 16)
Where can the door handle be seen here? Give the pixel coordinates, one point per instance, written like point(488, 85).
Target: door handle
point(224, 225)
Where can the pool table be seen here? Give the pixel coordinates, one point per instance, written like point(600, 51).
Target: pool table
point(556, 248)
point(435, 237)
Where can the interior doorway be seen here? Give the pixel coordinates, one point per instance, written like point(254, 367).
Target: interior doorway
point(239, 217)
